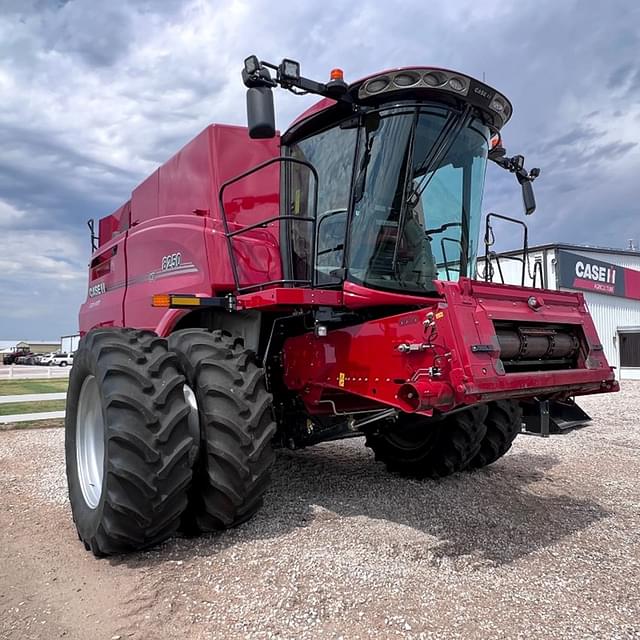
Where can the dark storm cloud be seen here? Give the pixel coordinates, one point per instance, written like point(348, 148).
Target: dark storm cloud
point(97, 43)
point(41, 175)
point(100, 40)
point(45, 143)
point(579, 134)
point(95, 95)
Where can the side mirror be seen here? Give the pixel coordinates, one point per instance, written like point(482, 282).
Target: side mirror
point(528, 197)
point(261, 118)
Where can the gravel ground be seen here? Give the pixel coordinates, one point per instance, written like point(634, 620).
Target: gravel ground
point(543, 544)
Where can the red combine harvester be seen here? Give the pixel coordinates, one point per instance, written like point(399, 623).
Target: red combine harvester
point(263, 290)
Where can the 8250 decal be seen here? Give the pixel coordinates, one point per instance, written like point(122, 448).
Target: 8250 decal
point(172, 261)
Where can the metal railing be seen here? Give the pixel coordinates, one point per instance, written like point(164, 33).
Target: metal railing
point(309, 219)
point(489, 256)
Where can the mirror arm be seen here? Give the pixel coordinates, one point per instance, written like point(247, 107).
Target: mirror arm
point(260, 77)
point(514, 165)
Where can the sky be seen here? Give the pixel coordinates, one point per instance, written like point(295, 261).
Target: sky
point(95, 95)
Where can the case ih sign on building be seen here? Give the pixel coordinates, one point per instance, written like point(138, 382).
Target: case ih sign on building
point(579, 272)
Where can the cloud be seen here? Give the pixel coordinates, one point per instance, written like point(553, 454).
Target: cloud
point(96, 95)
point(98, 43)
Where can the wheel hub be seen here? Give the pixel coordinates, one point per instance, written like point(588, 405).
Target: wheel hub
point(90, 442)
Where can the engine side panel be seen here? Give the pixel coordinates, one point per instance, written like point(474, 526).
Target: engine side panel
point(165, 254)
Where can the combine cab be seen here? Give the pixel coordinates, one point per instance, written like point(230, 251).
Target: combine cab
point(260, 290)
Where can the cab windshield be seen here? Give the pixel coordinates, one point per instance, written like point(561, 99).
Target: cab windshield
point(418, 184)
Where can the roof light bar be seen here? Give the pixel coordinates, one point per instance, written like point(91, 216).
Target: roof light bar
point(439, 80)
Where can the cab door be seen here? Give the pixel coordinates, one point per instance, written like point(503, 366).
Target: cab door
point(332, 153)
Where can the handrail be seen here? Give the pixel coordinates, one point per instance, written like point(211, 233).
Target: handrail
point(537, 267)
point(444, 253)
point(489, 240)
point(229, 235)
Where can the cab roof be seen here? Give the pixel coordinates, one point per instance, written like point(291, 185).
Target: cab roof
point(429, 82)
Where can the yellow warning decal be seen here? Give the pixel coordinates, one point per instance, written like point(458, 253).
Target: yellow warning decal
point(439, 315)
point(341, 380)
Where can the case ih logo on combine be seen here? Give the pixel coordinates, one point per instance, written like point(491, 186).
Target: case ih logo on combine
point(482, 92)
point(97, 290)
point(580, 272)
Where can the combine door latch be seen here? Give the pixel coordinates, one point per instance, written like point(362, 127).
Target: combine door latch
point(408, 347)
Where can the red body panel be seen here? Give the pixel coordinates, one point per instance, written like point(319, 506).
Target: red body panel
point(175, 212)
point(283, 298)
point(364, 360)
point(147, 244)
point(107, 286)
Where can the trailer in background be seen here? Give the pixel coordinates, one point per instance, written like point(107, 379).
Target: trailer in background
point(69, 344)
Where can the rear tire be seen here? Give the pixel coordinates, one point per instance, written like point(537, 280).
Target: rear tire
point(232, 472)
point(504, 423)
point(419, 447)
point(126, 441)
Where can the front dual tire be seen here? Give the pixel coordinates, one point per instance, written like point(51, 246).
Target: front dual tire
point(164, 435)
point(127, 442)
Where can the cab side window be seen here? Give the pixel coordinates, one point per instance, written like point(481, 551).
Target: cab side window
point(332, 154)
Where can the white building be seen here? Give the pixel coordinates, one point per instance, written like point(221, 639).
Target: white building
point(609, 280)
point(33, 346)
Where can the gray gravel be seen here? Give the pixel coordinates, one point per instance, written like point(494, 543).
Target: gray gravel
point(543, 544)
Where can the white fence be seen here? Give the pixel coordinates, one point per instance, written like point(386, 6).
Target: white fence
point(28, 398)
point(24, 372)
point(32, 397)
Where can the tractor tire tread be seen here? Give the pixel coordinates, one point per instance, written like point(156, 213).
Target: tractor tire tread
point(504, 423)
point(147, 473)
point(455, 441)
point(237, 427)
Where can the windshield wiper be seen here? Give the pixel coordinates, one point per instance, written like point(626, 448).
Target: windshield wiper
point(437, 153)
point(371, 125)
point(430, 163)
point(361, 178)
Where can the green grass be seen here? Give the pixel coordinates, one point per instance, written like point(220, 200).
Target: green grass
point(32, 424)
point(31, 407)
point(20, 387)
